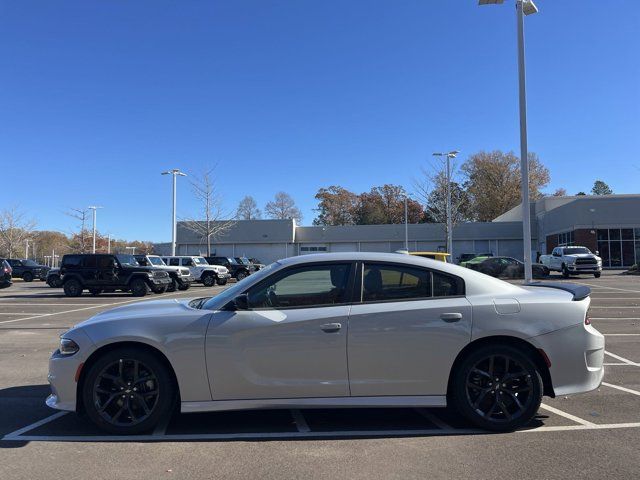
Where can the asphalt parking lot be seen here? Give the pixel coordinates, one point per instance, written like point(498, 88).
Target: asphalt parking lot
point(585, 436)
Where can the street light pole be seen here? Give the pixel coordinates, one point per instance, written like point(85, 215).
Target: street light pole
point(406, 224)
point(94, 208)
point(448, 208)
point(108, 243)
point(175, 172)
point(523, 7)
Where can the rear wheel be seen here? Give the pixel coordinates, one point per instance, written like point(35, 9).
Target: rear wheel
point(497, 388)
point(565, 272)
point(27, 277)
point(128, 391)
point(138, 287)
point(72, 288)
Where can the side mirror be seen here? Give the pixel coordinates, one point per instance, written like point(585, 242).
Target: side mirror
point(597, 253)
point(241, 302)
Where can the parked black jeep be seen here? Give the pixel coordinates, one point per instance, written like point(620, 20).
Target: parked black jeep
point(28, 270)
point(5, 274)
point(237, 270)
point(104, 272)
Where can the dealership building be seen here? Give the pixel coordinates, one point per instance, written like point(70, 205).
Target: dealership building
point(609, 224)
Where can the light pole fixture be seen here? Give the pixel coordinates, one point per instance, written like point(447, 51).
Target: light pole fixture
point(94, 208)
point(523, 7)
point(133, 250)
point(175, 173)
point(449, 156)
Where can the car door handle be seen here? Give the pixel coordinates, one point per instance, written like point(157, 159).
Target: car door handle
point(451, 317)
point(331, 327)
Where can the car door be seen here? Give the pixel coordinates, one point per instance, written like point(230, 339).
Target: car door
point(107, 271)
point(407, 331)
point(290, 343)
point(89, 271)
point(556, 258)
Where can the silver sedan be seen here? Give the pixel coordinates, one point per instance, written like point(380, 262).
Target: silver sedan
point(335, 330)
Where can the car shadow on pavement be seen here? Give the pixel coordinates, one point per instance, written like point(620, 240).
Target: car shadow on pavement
point(31, 420)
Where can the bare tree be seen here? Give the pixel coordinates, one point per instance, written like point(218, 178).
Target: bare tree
point(248, 209)
point(431, 189)
point(212, 221)
point(283, 207)
point(80, 235)
point(15, 230)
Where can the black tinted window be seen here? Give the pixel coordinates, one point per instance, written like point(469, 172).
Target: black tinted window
point(106, 262)
point(447, 285)
point(312, 285)
point(72, 261)
point(174, 262)
point(89, 261)
point(394, 282)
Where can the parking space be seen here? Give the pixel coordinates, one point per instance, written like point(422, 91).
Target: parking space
point(367, 440)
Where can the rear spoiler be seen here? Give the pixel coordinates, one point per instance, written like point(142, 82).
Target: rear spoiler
point(579, 292)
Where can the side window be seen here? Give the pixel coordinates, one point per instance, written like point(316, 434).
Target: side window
point(89, 261)
point(187, 262)
point(106, 262)
point(394, 282)
point(313, 285)
point(174, 262)
point(447, 285)
point(71, 261)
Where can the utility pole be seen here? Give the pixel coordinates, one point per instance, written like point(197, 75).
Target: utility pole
point(406, 224)
point(175, 173)
point(94, 208)
point(449, 213)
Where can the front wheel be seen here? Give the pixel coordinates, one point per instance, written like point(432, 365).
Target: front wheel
point(128, 391)
point(138, 287)
point(241, 276)
point(597, 274)
point(221, 281)
point(565, 271)
point(184, 286)
point(208, 280)
point(497, 388)
point(173, 285)
point(160, 290)
point(72, 288)
point(27, 277)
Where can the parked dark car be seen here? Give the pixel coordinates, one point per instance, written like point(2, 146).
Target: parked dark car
point(247, 263)
point(465, 257)
point(28, 270)
point(257, 263)
point(5, 274)
point(237, 270)
point(105, 272)
point(54, 279)
point(507, 267)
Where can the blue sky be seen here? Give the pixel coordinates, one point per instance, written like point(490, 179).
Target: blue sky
point(98, 97)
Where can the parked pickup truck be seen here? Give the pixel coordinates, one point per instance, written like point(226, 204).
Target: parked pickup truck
point(573, 260)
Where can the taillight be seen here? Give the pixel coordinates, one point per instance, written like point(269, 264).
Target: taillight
point(587, 318)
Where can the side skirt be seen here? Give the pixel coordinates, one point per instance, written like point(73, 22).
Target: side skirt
point(331, 402)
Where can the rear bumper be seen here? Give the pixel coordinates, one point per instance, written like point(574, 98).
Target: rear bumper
point(577, 356)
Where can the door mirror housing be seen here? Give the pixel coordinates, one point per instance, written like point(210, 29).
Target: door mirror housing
point(241, 302)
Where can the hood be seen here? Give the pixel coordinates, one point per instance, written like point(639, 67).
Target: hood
point(582, 255)
point(140, 309)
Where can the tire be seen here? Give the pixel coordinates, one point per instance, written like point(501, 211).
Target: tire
point(597, 274)
point(184, 286)
point(221, 282)
point(27, 277)
point(565, 272)
point(208, 280)
point(241, 276)
point(138, 287)
point(495, 406)
point(160, 290)
point(55, 282)
point(72, 288)
point(95, 291)
point(173, 286)
point(115, 372)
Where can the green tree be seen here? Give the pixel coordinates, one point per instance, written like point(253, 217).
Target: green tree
point(601, 188)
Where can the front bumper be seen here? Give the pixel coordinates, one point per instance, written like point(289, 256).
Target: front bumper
point(160, 282)
point(577, 357)
point(223, 276)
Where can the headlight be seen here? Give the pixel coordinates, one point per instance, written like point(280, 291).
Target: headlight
point(150, 274)
point(68, 346)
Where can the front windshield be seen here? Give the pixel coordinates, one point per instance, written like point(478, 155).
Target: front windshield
point(127, 260)
point(200, 261)
point(157, 261)
point(576, 251)
point(244, 260)
point(230, 293)
point(29, 263)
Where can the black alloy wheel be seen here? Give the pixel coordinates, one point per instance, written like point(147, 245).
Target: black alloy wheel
point(173, 286)
point(160, 290)
point(498, 388)
point(27, 277)
point(72, 288)
point(138, 287)
point(241, 276)
point(208, 279)
point(222, 282)
point(128, 391)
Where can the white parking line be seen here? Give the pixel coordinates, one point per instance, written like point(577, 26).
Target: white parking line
point(566, 415)
point(614, 307)
point(299, 420)
point(17, 433)
point(46, 304)
point(622, 359)
point(607, 288)
point(615, 318)
point(433, 419)
point(621, 334)
point(624, 389)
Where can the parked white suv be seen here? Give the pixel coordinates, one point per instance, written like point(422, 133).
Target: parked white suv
point(180, 276)
point(201, 271)
point(573, 260)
